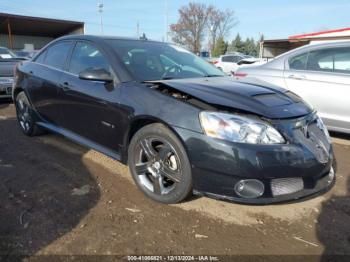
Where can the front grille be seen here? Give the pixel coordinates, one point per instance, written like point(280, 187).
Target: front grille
point(5, 90)
point(285, 186)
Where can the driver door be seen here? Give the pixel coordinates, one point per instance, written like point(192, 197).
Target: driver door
point(89, 108)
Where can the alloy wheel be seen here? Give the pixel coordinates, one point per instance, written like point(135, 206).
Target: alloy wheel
point(23, 113)
point(157, 165)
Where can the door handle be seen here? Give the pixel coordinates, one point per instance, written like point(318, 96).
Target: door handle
point(65, 86)
point(297, 77)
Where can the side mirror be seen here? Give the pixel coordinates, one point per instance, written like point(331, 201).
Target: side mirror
point(101, 75)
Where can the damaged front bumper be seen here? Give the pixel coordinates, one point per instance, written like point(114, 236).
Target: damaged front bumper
point(277, 173)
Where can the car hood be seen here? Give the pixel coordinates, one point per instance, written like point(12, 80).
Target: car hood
point(267, 101)
point(7, 66)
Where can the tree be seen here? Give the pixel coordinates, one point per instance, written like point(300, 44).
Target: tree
point(220, 47)
point(236, 45)
point(190, 28)
point(195, 20)
point(227, 22)
point(220, 23)
point(249, 47)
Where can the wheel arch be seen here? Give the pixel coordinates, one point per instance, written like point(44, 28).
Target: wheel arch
point(136, 124)
point(15, 92)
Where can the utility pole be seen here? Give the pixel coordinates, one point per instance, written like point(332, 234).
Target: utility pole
point(138, 29)
point(100, 10)
point(166, 20)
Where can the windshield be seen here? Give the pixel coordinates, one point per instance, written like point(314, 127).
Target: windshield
point(148, 61)
point(6, 54)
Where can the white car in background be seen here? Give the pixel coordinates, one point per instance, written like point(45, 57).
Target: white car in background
point(319, 73)
point(231, 62)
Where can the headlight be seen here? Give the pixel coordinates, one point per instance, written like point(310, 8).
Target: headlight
point(239, 129)
point(323, 127)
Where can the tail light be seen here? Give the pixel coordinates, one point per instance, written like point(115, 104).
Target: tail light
point(215, 62)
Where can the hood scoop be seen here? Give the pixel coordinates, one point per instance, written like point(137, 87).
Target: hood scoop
point(273, 99)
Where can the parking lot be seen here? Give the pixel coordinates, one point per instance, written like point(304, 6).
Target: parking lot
point(60, 198)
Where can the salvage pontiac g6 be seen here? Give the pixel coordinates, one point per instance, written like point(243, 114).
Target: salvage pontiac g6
point(180, 124)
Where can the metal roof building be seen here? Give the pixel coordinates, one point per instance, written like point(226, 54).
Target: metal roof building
point(25, 32)
point(272, 48)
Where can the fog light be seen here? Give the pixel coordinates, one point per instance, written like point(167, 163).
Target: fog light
point(249, 188)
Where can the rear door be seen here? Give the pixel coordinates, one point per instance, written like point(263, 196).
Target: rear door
point(90, 110)
point(322, 77)
point(43, 76)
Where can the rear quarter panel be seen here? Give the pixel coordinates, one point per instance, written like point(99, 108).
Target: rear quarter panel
point(262, 74)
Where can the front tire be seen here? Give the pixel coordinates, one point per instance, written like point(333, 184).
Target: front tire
point(25, 116)
point(159, 164)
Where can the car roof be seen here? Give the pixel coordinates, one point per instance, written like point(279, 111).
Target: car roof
point(316, 46)
point(278, 60)
point(330, 44)
point(99, 38)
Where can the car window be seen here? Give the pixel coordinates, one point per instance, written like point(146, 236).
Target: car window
point(6, 54)
point(148, 60)
point(298, 62)
point(87, 56)
point(41, 58)
point(342, 60)
point(330, 60)
point(227, 58)
point(167, 62)
point(236, 59)
point(320, 60)
point(57, 54)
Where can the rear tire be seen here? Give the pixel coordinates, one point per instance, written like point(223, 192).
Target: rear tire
point(159, 164)
point(26, 116)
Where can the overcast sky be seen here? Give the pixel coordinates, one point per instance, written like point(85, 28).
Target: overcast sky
point(273, 18)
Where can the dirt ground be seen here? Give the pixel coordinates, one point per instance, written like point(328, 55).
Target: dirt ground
point(58, 198)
